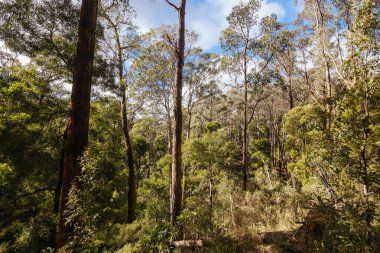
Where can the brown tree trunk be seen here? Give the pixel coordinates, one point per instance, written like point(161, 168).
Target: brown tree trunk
point(245, 154)
point(290, 91)
point(170, 134)
point(329, 90)
point(77, 134)
point(57, 192)
point(151, 161)
point(245, 126)
point(183, 197)
point(131, 167)
point(210, 182)
point(177, 137)
point(364, 156)
point(184, 169)
point(127, 140)
point(189, 116)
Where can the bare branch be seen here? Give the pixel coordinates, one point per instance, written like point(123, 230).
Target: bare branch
point(266, 63)
point(255, 106)
point(34, 192)
point(172, 44)
point(172, 5)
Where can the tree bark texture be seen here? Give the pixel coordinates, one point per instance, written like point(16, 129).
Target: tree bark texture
point(131, 167)
point(177, 137)
point(77, 134)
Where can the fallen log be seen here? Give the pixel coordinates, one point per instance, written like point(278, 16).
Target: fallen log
point(188, 243)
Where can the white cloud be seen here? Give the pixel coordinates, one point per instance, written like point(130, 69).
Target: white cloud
point(206, 17)
point(271, 7)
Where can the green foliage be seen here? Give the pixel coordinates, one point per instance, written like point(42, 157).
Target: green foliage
point(212, 149)
point(153, 196)
point(31, 28)
point(212, 127)
point(140, 146)
point(209, 161)
point(32, 116)
point(315, 164)
point(261, 157)
point(5, 174)
point(306, 135)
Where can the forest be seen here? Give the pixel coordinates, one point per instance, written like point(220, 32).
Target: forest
point(119, 139)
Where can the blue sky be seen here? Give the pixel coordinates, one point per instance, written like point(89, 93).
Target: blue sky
point(206, 17)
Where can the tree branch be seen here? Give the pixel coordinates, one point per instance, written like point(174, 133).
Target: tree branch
point(34, 192)
point(255, 106)
point(172, 5)
point(266, 63)
point(172, 44)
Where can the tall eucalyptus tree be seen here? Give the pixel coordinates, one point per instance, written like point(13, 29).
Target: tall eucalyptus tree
point(77, 131)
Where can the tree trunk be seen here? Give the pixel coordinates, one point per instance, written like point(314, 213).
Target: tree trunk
point(232, 211)
point(245, 127)
point(188, 124)
point(210, 182)
point(170, 134)
point(151, 159)
point(127, 139)
point(290, 91)
point(177, 137)
point(184, 187)
point(364, 156)
point(307, 78)
point(329, 90)
point(77, 134)
point(131, 167)
point(57, 192)
point(184, 169)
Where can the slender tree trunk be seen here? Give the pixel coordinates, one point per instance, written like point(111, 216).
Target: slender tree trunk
point(307, 78)
point(282, 139)
point(245, 126)
point(291, 106)
point(272, 146)
point(177, 137)
point(189, 112)
point(131, 166)
point(57, 192)
point(232, 211)
point(184, 187)
point(364, 156)
point(188, 124)
point(290, 91)
point(278, 141)
point(170, 134)
point(77, 134)
point(329, 90)
point(127, 139)
point(58, 189)
point(150, 159)
point(210, 181)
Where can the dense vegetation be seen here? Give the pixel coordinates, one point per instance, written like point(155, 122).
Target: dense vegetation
point(284, 158)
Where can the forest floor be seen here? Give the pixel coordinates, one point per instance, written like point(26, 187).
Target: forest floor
point(303, 239)
point(307, 238)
